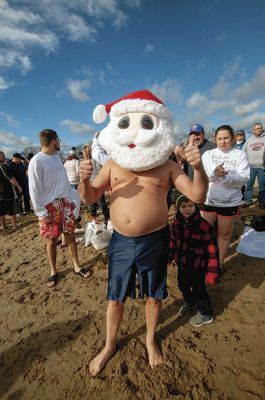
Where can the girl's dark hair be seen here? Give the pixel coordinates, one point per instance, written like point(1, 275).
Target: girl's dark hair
point(225, 128)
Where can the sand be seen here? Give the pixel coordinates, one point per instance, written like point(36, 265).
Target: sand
point(48, 336)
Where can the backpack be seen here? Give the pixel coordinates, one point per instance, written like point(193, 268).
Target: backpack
point(259, 224)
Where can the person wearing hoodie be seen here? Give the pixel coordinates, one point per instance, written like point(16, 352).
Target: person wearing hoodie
point(240, 139)
point(71, 166)
point(227, 169)
point(194, 248)
point(255, 149)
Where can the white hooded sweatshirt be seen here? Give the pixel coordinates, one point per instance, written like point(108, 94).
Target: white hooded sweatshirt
point(226, 191)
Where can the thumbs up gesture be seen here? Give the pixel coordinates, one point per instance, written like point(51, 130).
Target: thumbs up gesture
point(192, 153)
point(86, 166)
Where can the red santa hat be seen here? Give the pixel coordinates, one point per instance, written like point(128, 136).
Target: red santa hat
point(140, 101)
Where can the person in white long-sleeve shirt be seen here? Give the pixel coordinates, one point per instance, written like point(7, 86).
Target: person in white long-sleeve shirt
point(52, 200)
point(71, 166)
point(228, 170)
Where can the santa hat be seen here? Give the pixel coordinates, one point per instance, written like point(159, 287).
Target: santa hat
point(140, 101)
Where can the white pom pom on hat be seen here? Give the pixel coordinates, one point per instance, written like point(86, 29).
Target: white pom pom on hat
point(100, 114)
point(142, 100)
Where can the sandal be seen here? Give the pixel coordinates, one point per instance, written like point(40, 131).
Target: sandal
point(83, 271)
point(52, 280)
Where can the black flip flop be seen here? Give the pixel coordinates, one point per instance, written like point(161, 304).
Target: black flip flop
point(82, 272)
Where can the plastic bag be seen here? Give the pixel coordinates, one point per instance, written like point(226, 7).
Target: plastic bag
point(97, 235)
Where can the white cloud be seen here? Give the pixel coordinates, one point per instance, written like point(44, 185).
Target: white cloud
point(21, 38)
point(30, 25)
point(15, 59)
point(221, 88)
point(9, 119)
point(168, 91)
point(253, 88)
point(248, 108)
point(78, 128)
point(77, 89)
point(149, 48)
point(251, 119)
point(233, 68)
point(12, 140)
point(196, 100)
point(4, 84)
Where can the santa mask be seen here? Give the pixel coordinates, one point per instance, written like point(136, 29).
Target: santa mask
point(139, 135)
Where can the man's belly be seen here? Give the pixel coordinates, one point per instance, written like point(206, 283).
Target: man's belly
point(134, 218)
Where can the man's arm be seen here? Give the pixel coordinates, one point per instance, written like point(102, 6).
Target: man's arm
point(35, 174)
point(195, 190)
point(6, 171)
point(90, 192)
point(15, 183)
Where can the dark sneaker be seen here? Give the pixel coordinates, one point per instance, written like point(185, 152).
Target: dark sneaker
point(185, 309)
point(200, 319)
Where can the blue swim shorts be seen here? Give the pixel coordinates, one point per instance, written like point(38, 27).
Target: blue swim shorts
point(145, 255)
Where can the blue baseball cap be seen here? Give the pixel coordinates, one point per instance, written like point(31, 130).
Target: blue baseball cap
point(196, 128)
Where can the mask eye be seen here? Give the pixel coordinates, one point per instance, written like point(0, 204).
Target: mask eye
point(147, 122)
point(124, 123)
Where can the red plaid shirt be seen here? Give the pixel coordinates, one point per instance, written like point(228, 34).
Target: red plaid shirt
point(194, 242)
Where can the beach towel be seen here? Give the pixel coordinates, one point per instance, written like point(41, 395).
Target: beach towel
point(252, 243)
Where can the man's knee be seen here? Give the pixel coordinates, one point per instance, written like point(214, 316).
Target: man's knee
point(51, 242)
point(151, 301)
point(115, 304)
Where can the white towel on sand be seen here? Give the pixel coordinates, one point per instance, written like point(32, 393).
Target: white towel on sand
point(252, 243)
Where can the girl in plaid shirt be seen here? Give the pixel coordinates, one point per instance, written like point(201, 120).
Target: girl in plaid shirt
point(194, 248)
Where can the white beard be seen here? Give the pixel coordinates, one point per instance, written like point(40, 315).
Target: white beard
point(152, 149)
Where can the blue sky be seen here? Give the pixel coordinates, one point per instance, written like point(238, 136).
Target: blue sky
point(59, 59)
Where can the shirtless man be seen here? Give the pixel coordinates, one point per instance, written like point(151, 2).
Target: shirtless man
point(138, 139)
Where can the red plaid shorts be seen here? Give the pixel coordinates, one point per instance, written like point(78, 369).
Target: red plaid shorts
point(63, 220)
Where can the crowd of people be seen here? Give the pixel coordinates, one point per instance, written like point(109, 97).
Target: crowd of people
point(206, 181)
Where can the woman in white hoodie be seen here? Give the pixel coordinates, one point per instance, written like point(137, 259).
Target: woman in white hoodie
point(228, 170)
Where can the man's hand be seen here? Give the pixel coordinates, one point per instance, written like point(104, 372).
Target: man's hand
point(220, 171)
point(86, 166)
point(179, 153)
point(192, 153)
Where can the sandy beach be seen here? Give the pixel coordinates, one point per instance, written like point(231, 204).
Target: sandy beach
point(48, 336)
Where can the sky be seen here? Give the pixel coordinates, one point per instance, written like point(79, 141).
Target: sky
point(59, 59)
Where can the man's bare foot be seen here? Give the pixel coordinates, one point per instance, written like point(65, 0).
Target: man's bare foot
point(154, 353)
point(98, 363)
point(52, 280)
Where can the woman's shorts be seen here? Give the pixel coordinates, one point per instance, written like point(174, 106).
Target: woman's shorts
point(7, 207)
point(63, 220)
point(224, 211)
point(146, 256)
